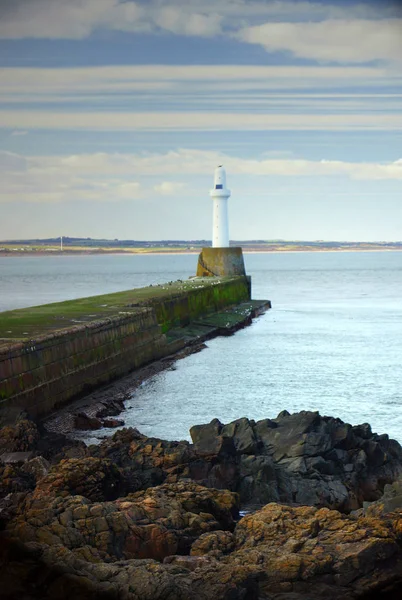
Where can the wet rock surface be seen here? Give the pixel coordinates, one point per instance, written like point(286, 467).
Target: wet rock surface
point(24, 436)
point(391, 500)
point(140, 518)
point(156, 523)
point(301, 459)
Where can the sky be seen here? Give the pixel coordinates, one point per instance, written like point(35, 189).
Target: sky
point(114, 114)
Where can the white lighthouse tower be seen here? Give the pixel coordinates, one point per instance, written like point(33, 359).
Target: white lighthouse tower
point(220, 260)
point(220, 195)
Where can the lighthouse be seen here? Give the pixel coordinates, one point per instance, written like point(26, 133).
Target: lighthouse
point(220, 260)
point(220, 195)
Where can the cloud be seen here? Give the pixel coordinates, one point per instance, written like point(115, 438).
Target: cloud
point(169, 188)
point(201, 162)
point(179, 21)
point(169, 78)
point(46, 180)
point(78, 19)
point(57, 19)
point(335, 40)
point(103, 177)
point(194, 96)
point(127, 190)
point(10, 162)
point(197, 121)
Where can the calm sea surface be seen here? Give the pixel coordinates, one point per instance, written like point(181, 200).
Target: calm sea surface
point(332, 342)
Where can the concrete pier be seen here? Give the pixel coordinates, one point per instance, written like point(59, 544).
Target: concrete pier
point(53, 353)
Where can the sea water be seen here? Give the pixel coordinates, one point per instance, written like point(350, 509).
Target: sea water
point(332, 341)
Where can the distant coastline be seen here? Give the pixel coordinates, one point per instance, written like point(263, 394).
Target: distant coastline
point(84, 246)
point(170, 252)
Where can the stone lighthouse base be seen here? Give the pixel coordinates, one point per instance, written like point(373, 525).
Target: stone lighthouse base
point(220, 262)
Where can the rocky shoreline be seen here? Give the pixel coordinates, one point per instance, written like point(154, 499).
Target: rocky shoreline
point(89, 413)
point(141, 518)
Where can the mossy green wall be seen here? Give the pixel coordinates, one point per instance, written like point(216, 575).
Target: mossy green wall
point(183, 308)
point(50, 370)
point(53, 368)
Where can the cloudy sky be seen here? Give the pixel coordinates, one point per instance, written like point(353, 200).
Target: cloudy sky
point(113, 115)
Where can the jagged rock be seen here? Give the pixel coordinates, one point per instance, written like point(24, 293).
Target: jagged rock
point(110, 409)
point(21, 437)
point(159, 522)
point(299, 459)
point(146, 461)
point(208, 440)
point(21, 477)
point(278, 552)
point(302, 458)
point(390, 501)
point(188, 562)
point(257, 480)
point(9, 506)
point(243, 436)
point(85, 422)
point(112, 423)
point(47, 573)
point(320, 553)
point(56, 446)
point(217, 544)
point(38, 467)
point(93, 478)
point(16, 458)
point(93, 526)
point(14, 479)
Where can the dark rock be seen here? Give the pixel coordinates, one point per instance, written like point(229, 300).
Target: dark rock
point(208, 440)
point(85, 422)
point(110, 409)
point(14, 479)
point(242, 434)
point(113, 423)
point(257, 480)
point(300, 434)
point(93, 478)
point(363, 431)
point(301, 458)
point(210, 431)
point(374, 452)
point(317, 463)
point(68, 547)
point(390, 501)
point(46, 574)
point(217, 544)
point(187, 562)
point(9, 505)
point(159, 522)
point(143, 461)
point(94, 527)
point(303, 550)
point(308, 459)
point(56, 446)
point(342, 434)
point(38, 467)
point(23, 436)
point(10, 458)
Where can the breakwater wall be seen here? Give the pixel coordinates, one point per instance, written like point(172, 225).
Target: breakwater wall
point(53, 353)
